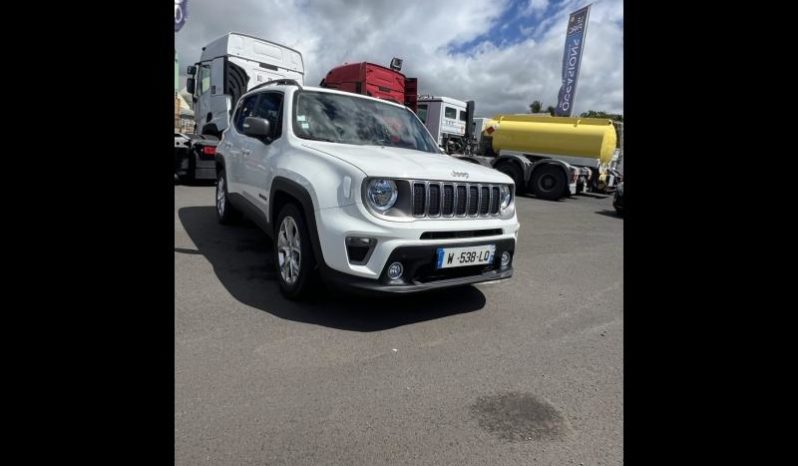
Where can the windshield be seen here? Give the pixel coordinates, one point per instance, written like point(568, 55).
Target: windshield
point(347, 119)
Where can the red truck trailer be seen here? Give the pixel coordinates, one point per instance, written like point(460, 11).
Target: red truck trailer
point(375, 81)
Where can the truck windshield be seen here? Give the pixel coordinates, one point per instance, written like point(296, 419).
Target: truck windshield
point(347, 119)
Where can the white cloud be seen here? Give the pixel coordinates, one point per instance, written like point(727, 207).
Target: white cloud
point(535, 7)
point(501, 79)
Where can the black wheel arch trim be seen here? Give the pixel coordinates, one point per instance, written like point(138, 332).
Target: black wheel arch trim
point(298, 192)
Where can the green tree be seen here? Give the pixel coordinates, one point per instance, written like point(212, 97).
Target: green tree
point(551, 109)
point(597, 114)
point(535, 107)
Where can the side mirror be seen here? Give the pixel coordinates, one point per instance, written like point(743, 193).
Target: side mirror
point(190, 85)
point(257, 127)
point(191, 70)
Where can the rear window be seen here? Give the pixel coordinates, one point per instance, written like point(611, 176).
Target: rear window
point(450, 113)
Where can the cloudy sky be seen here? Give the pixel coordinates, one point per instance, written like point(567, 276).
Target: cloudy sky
point(501, 53)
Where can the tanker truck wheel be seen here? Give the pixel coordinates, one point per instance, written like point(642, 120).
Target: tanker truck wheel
point(510, 169)
point(549, 182)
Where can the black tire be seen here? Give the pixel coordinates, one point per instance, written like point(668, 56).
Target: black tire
point(225, 212)
point(510, 169)
point(549, 182)
point(189, 177)
point(304, 279)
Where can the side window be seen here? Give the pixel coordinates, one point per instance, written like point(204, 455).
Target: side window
point(463, 116)
point(422, 113)
point(245, 109)
point(450, 113)
point(270, 107)
point(204, 78)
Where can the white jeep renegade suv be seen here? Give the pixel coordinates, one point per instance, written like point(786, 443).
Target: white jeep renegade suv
point(355, 189)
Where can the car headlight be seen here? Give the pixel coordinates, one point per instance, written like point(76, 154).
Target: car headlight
point(506, 197)
point(381, 194)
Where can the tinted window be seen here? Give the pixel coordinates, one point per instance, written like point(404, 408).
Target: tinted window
point(245, 109)
point(422, 112)
point(463, 116)
point(450, 113)
point(205, 78)
point(270, 107)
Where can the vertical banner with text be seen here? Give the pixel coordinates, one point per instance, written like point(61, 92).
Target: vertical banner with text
point(571, 59)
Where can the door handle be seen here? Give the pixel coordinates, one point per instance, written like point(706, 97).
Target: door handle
point(246, 152)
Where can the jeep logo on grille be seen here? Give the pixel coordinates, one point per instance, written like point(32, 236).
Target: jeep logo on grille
point(460, 174)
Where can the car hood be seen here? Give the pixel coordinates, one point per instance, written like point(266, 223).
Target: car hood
point(393, 162)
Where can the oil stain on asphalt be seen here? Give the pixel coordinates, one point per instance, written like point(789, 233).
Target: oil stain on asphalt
point(518, 416)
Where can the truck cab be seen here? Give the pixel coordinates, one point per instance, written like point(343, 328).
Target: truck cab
point(448, 120)
point(230, 66)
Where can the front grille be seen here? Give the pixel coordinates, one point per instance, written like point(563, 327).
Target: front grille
point(484, 201)
point(448, 199)
point(419, 199)
point(460, 234)
point(440, 199)
point(473, 199)
point(462, 200)
point(434, 207)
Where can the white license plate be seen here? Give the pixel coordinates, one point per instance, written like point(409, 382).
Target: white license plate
point(470, 255)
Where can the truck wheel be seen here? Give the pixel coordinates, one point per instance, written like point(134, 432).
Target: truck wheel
point(225, 212)
point(549, 182)
point(510, 169)
point(293, 254)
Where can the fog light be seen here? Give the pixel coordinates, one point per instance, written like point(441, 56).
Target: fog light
point(395, 270)
point(505, 259)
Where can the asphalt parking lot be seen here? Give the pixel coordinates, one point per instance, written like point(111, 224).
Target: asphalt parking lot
point(526, 371)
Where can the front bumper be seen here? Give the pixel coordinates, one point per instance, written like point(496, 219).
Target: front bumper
point(420, 273)
point(402, 242)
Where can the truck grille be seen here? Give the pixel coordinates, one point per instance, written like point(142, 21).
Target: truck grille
point(439, 199)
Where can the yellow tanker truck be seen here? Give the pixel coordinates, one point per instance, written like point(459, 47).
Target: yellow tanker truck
point(551, 157)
